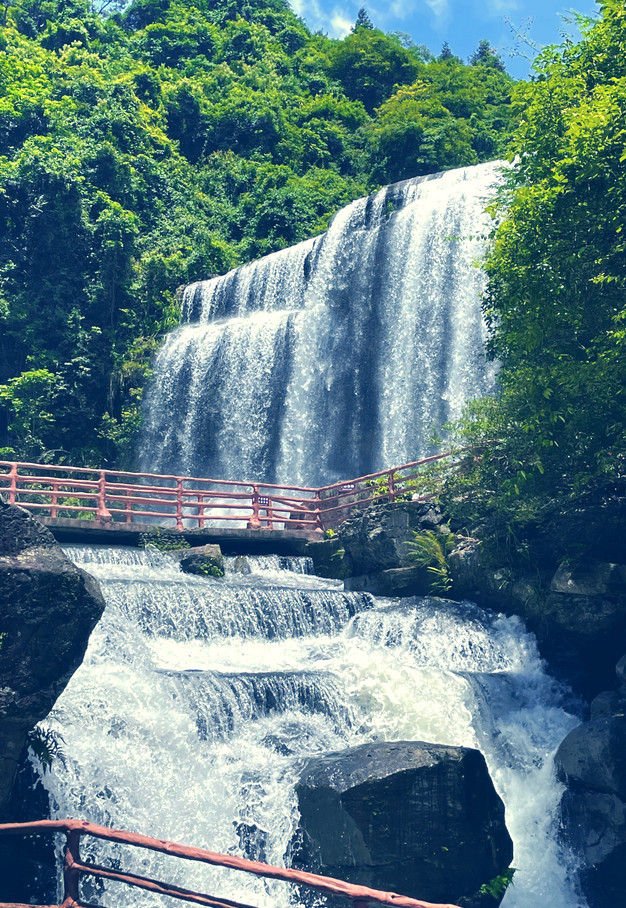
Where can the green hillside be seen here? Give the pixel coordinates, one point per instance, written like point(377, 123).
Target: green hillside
point(172, 141)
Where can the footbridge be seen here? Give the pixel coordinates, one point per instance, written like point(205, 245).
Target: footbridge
point(87, 504)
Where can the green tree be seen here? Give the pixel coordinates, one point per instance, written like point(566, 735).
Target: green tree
point(557, 281)
point(362, 20)
point(486, 55)
point(369, 65)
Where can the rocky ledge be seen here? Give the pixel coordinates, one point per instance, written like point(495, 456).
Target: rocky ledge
point(48, 608)
point(591, 761)
point(577, 609)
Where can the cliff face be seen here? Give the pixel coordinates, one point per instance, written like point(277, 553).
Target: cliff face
point(576, 608)
point(48, 608)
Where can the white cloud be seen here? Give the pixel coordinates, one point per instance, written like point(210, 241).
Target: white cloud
point(501, 7)
point(340, 24)
point(336, 23)
point(403, 9)
point(441, 8)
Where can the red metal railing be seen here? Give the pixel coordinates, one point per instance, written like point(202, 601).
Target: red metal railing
point(74, 868)
point(116, 497)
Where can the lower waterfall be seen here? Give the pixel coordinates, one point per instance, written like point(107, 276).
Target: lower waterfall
point(198, 698)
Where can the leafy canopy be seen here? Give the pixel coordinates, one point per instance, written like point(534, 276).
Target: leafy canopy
point(152, 145)
point(557, 287)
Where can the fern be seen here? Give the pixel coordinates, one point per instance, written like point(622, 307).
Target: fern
point(430, 550)
point(46, 746)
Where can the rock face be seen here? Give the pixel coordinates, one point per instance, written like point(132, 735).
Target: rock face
point(420, 819)
point(372, 549)
point(48, 608)
point(592, 763)
point(577, 612)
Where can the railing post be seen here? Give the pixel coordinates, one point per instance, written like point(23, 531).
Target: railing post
point(13, 483)
point(319, 527)
point(127, 508)
point(254, 523)
point(55, 499)
point(201, 512)
point(71, 874)
point(392, 486)
point(179, 505)
point(103, 514)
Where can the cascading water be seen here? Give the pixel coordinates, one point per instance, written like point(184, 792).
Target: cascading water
point(337, 357)
point(198, 698)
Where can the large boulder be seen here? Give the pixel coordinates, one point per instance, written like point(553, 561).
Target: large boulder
point(48, 608)
point(591, 761)
point(420, 819)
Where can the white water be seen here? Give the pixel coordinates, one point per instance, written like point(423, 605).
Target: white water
point(337, 357)
point(198, 697)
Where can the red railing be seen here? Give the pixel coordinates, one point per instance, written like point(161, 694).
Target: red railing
point(116, 497)
point(74, 868)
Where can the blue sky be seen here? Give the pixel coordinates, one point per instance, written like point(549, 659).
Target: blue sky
point(462, 23)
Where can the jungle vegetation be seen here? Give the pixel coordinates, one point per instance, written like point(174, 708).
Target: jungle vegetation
point(554, 437)
point(146, 146)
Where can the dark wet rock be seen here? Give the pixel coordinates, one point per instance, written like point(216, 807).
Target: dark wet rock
point(48, 608)
point(591, 761)
point(373, 548)
point(406, 581)
point(608, 703)
point(578, 613)
point(204, 560)
point(420, 819)
point(241, 565)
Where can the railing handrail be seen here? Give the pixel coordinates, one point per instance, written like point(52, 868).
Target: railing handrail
point(226, 482)
point(112, 497)
point(110, 472)
point(387, 472)
point(73, 829)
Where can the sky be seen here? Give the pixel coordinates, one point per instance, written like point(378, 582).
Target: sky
point(515, 27)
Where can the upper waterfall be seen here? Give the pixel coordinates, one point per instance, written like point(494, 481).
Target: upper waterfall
point(335, 357)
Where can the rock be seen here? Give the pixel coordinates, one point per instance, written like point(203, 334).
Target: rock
point(241, 565)
point(329, 558)
point(205, 560)
point(577, 612)
point(406, 581)
point(608, 703)
point(374, 542)
point(620, 670)
point(420, 819)
point(593, 756)
point(592, 762)
point(48, 608)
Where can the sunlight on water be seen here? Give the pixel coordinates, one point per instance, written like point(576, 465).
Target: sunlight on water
point(194, 707)
point(337, 357)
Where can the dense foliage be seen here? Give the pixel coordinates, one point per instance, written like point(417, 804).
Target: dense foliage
point(173, 141)
point(556, 434)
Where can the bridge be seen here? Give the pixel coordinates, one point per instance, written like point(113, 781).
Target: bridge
point(117, 506)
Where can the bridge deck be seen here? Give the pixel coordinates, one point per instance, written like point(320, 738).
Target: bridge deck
point(232, 540)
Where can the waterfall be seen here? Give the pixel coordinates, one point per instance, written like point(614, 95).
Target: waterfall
point(198, 698)
point(336, 357)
